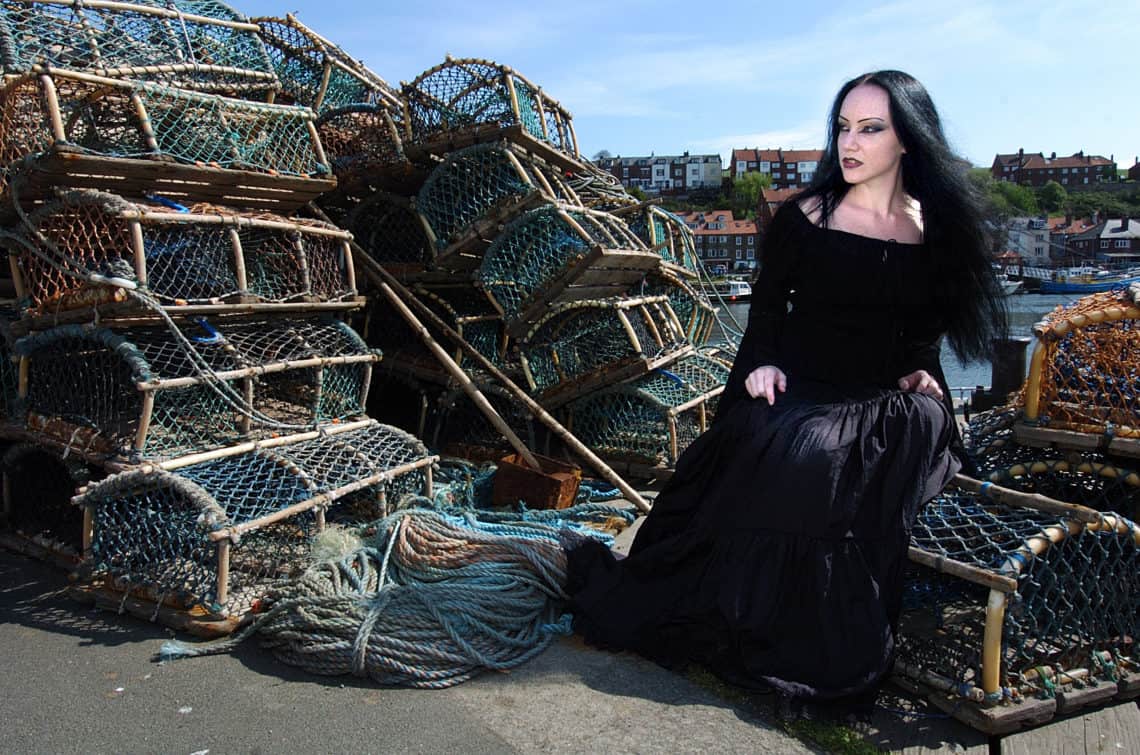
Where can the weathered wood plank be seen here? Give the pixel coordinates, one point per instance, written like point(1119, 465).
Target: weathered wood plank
point(1114, 729)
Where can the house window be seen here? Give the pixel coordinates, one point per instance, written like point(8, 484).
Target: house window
point(751, 254)
point(739, 254)
point(625, 172)
point(1121, 243)
point(1104, 244)
point(751, 240)
point(739, 242)
point(724, 240)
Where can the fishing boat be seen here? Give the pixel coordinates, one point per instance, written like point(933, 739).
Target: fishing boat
point(1088, 281)
point(730, 290)
point(1008, 285)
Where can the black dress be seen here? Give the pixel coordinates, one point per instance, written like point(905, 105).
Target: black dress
point(774, 555)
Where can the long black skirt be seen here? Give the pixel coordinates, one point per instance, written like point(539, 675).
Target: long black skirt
point(775, 554)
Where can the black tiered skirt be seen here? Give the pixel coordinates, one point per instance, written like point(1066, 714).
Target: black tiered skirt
point(775, 554)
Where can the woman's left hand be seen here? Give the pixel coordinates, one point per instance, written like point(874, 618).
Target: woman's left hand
point(920, 381)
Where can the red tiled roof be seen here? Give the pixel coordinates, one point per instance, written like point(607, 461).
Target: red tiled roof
point(1073, 161)
point(802, 155)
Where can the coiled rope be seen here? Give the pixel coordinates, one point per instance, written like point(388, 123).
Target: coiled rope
point(429, 601)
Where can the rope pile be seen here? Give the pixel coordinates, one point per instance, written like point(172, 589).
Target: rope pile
point(427, 601)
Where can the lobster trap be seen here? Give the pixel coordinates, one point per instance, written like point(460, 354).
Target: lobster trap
point(187, 44)
point(461, 94)
point(363, 143)
point(206, 256)
point(458, 427)
point(316, 73)
point(1028, 615)
point(646, 424)
point(37, 515)
point(462, 307)
point(215, 535)
point(134, 137)
point(697, 316)
point(1083, 389)
point(474, 190)
point(553, 255)
point(392, 233)
point(580, 346)
point(666, 233)
point(160, 393)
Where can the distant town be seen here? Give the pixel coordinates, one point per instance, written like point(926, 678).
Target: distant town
point(1047, 212)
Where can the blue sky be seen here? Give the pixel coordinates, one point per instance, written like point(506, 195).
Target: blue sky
point(643, 76)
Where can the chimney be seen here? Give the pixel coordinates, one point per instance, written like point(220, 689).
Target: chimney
point(1068, 219)
point(1123, 223)
point(1053, 156)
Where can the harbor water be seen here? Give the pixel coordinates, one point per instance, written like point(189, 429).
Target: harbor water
point(1024, 311)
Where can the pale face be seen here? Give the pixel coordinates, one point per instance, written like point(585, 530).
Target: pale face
point(868, 147)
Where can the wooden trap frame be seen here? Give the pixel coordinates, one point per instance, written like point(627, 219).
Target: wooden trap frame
point(315, 72)
point(1082, 391)
point(557, 254)
point(153, 392)
point(464, 92)
point(205, 256)
point(38, 518)
point(70, 129)
point(666, 233)
point(1028, 607)
point(584, 345)
point(643, 425)
point(170, 42)
point(474, 191)
point(205, 538)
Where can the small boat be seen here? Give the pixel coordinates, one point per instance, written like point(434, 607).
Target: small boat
point(1009, 286)
point(731, 290)
point(1089, 282)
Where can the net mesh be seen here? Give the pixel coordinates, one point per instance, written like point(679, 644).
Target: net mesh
point(668, 235)
point(154, 41)
point(192, 128)
point(151, 529)
point(1076, 599)
point(229, 381)
point(184, 260)
point(631, 422)
point(696, 315)
point(361, 140)
point(542, 245)
point(391, 233)
point(591, 338)
point(1089, 376)
point(316, 73)
point(480, 181)
point(468, 92)
point(457, 425)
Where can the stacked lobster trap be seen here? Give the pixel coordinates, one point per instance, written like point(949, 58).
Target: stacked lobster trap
point(1031, 606)
point(173, 324)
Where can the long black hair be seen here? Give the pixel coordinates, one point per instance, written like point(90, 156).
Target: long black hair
point(965, 292)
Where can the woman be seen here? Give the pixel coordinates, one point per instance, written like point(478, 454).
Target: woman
point(775, 553)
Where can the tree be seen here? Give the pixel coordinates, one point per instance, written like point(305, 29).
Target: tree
point(1052, 196)
point(601, 154)
point(637, 193)
point(1021, 198)
point(746, 191)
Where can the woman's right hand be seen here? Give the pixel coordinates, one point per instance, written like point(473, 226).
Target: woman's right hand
point(765, 381)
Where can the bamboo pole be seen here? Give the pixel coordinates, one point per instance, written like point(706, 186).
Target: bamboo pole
point(348, 266)
point(629, 332)
point(938, 682)
point(145, 125)
point(958, 569)
point(243, 448)
point(237, 221)
point(51, 100)
point(1033, 386)
point(650, 325)
point(510, 82)
point(460, 376)
point(517, 165)
point(153, 11)
point(303, 264)
point(991, 642)
point(144, 420)
point(381, 276)
point(236, 530)
point(239, 261)
point(17, 275)
point(245, 422)
point(318, 148)
point(1034, 501)
point(139, 245)
point(223, 571)
point(261, 369)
